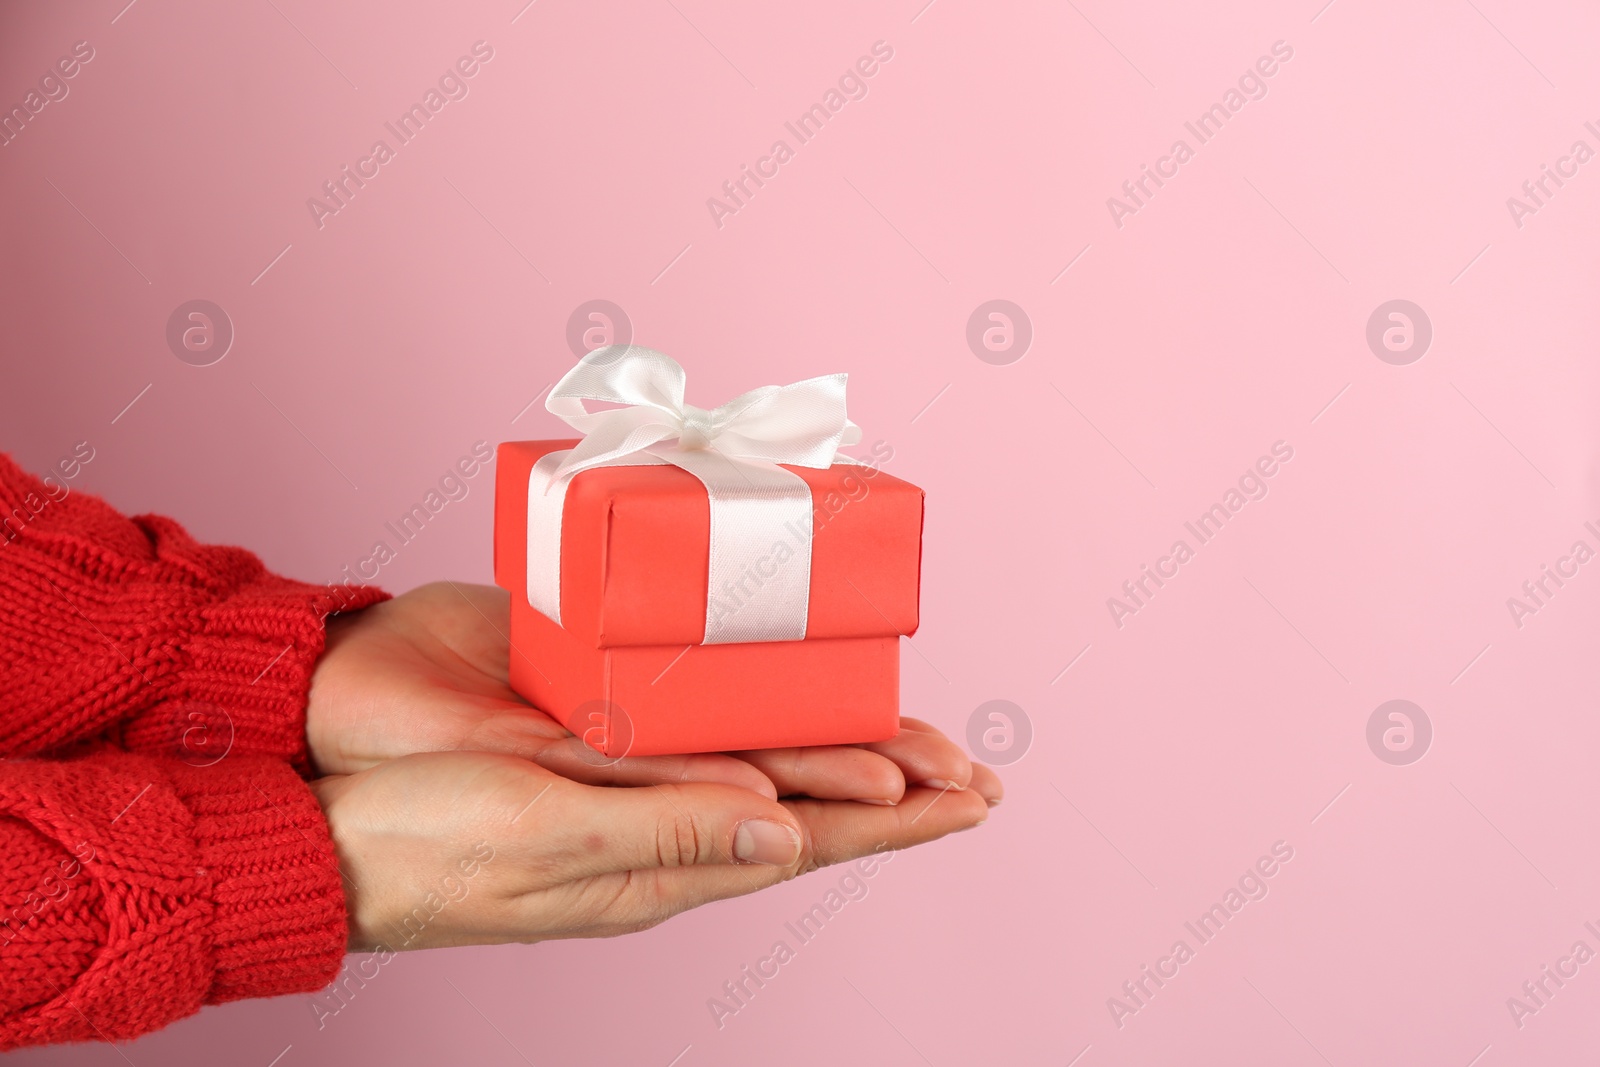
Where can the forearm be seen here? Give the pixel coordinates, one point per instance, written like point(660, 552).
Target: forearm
point(136, 890)
point(131, 630)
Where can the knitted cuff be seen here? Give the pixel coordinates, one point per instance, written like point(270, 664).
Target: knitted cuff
point(136, 890)
point(279, 923)
point(243, 685)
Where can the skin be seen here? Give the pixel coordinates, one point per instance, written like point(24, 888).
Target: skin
point(429, 760)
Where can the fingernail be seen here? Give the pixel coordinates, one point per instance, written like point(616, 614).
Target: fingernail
point(993, 802)
point(877, 800)
point(974, 826)
point(761, 841)
point(940, 783)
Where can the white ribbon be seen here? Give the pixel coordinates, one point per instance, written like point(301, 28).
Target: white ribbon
point(734, 450)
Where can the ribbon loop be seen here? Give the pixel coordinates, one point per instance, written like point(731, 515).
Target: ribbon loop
point(803, 424)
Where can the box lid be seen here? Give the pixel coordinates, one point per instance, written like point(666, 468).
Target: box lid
point(635, 541)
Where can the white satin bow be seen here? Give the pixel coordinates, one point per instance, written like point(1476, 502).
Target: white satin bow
point(803, 424)
point(759, 557)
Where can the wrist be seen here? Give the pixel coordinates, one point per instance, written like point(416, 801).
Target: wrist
point(360, 892)
point(324, 693)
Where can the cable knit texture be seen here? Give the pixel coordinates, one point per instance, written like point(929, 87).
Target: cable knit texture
point(129, 628)
point(135, 890)
point(160, 851)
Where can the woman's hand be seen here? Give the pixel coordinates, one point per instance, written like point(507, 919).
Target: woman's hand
point(427, 672)
point(475, 848)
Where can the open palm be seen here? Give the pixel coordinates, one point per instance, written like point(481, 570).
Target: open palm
point(428, 672)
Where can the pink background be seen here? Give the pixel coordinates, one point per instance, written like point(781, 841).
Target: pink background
point(1227, 314)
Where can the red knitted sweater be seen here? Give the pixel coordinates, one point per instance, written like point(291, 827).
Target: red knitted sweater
point(158, 848)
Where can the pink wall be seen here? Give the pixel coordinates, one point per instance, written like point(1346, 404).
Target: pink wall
point(1171, 348)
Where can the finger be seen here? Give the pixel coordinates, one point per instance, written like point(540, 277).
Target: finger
point(591, 831)
point(830, 772)
point(925, 756)
point(573, 759)
point(836, 833)
point(922, 725)
point(986, 783)
point(531, 735)
point(984, 779)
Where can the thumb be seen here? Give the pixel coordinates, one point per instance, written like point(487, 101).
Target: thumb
point(692, 824)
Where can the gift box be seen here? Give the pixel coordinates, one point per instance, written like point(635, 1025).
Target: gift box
point(696, 593)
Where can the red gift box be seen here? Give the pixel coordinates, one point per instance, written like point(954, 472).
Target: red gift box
point(625, 668)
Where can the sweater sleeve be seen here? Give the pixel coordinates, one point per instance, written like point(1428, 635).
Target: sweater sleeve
point(135, 890)
point(129, 629)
